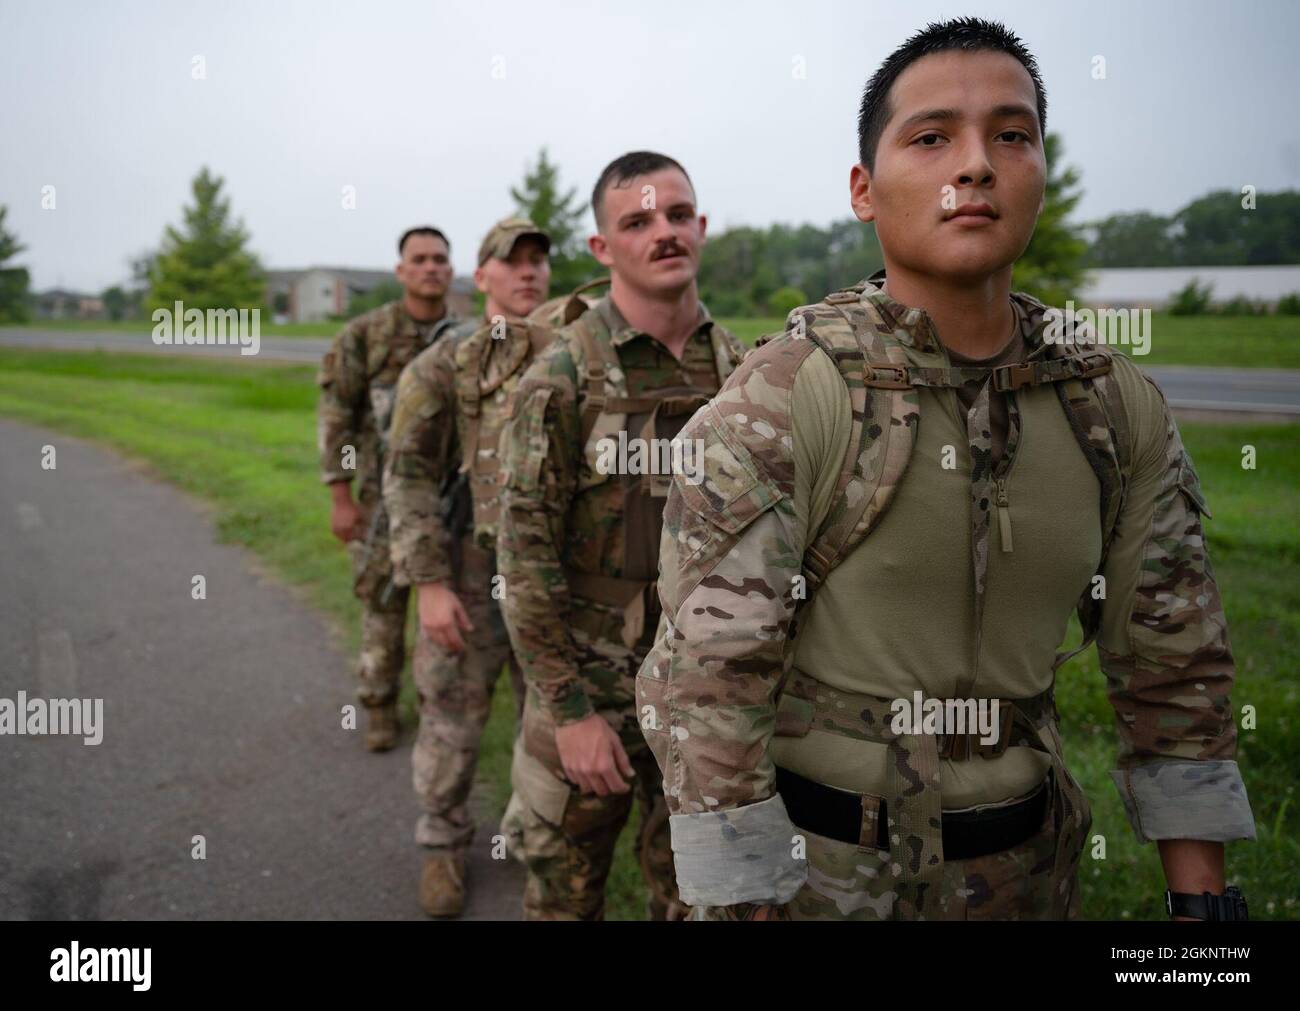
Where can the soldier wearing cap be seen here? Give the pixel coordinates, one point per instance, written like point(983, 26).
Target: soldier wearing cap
point(440, 492)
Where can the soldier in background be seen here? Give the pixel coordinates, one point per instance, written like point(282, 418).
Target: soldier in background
point(578, 540)
point(358, 381)
point(440, 491)
point(905, 495)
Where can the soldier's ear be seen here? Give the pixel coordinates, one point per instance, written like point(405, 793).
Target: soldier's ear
point(704, 225)
point(480, 279)
point(600, 250)
point(860, 196)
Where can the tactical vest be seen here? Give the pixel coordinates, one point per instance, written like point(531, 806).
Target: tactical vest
point(860, 340)
point(480, 433)
point(386, 358)
point(607, 411)
point(477, 487)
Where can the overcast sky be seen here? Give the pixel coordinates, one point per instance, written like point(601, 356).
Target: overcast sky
point(432, 109)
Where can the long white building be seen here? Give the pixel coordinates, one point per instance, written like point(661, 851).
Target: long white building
point(1142, 287)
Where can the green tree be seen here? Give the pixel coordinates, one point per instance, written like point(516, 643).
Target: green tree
point(785, 300)
point(1191, 300)
point(116, 301)
point(1052, 268)
point(1139, 239)
point(1215, 230)
point(204, 263)
point(14, 281)
point(541, 199)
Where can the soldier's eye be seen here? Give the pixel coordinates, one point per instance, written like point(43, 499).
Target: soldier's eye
point(928, 137)
point(1014, 135)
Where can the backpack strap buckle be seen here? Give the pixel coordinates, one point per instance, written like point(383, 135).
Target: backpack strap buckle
point(1008, 378)
point(1095, 364)
point(886, 377)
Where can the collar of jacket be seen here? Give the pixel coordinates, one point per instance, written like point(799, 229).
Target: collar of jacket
point(404, 324)
point(621, 331)
point(915, 329)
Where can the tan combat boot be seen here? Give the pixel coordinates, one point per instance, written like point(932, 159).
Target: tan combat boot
point(442, 884)
point(381, 727)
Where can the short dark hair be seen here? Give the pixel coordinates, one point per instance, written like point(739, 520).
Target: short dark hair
point(966, 34)
point(428, 230)
point(627, 167)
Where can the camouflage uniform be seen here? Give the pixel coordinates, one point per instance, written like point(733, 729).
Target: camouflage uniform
point(740, 689)
point(578, 549)
point(439, 420)
point(358, 379)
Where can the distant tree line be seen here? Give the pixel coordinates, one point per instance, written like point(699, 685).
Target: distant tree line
point(746, 271)
point(1214, 231)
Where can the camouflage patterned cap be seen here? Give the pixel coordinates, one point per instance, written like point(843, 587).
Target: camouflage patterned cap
point(503, 236)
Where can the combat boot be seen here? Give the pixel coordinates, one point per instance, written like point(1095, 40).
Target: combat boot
point(381, 727)
point(442, 884)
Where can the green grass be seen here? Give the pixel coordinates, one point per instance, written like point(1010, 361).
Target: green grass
point(243, 438)
point(1237, 341)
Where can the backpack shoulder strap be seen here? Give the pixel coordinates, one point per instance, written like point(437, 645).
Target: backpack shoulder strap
point(469, 361)
point(885, 409)
point(1082, 373)
point(1095, 410)
point(473, 355)
point(603, 378)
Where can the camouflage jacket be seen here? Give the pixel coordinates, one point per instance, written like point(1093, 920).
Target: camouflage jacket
point(358, 381)
point(432, 435)
point(560, 512)
point(734, 548)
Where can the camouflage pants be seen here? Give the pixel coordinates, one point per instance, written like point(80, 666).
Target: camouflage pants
point(455, 700)
point(383, 621)
point(566, 838)
point(848, 882)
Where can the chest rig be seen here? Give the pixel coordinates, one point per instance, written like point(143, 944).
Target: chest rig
point(655, 417)
point(867, 337)
point(488, 368)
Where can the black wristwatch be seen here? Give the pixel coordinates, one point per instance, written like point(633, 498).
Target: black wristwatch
point(1231, 905)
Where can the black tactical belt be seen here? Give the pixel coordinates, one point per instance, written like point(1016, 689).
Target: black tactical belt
point(837, 814)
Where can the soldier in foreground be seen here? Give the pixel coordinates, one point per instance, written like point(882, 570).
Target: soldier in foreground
point(358, 380)
point(905, 495)
point(440, 490)
point(579, 539)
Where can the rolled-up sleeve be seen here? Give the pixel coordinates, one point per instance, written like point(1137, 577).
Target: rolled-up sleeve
point(1164, 645)
point(730, 559)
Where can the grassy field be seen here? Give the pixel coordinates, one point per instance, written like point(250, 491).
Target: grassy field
point(1237, 341)
point(243, 438)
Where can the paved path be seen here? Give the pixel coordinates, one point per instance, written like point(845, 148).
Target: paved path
point(221, 718)
point(1189, 388)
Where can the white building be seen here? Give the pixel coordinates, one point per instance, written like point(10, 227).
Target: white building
point(316, 294)
point(1154, 287)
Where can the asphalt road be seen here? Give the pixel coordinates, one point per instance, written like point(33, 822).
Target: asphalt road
point(221, 718)
point(1189, 388)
